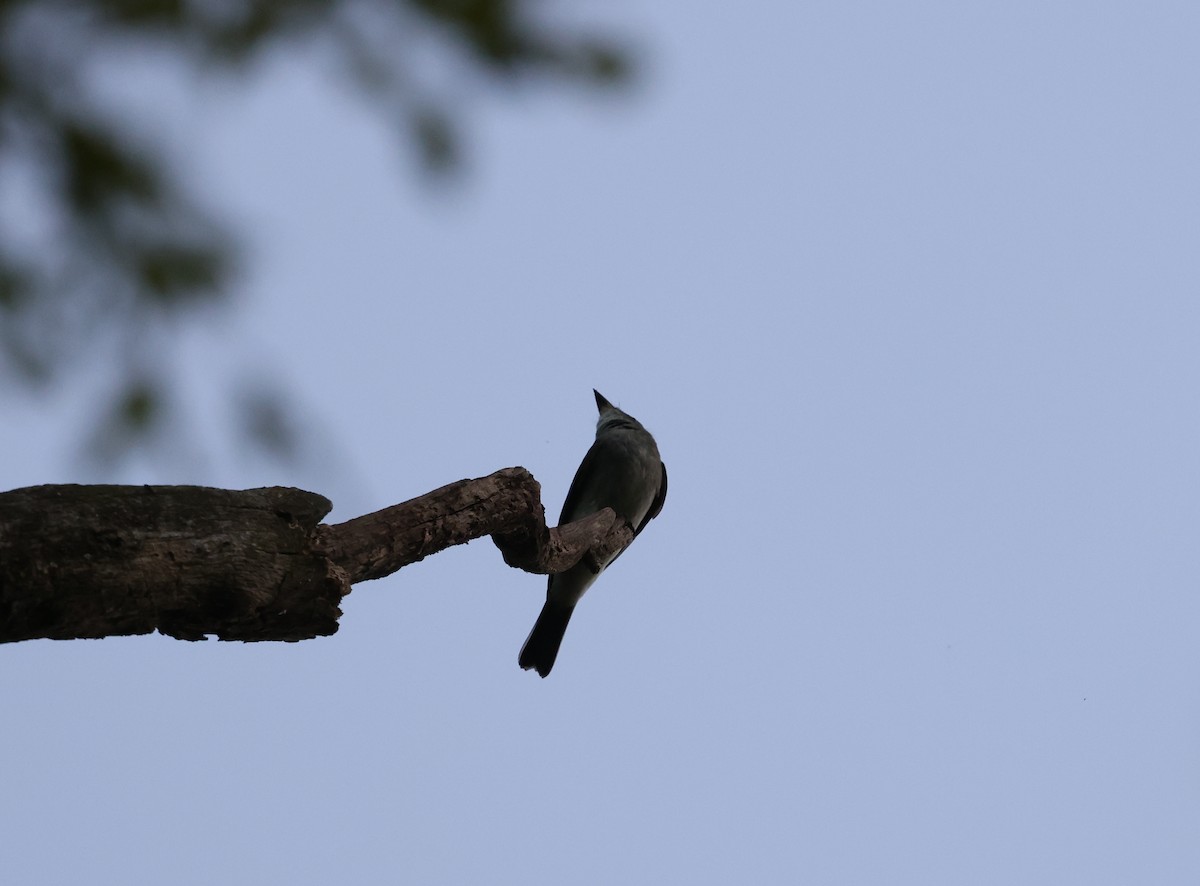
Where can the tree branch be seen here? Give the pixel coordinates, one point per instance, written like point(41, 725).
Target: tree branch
point(189, 561)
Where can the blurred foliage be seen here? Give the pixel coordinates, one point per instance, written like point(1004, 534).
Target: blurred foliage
point(100, 244)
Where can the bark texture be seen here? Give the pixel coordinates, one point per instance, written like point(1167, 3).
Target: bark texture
point(506, 505)
point(255, 564)
point(188, 561)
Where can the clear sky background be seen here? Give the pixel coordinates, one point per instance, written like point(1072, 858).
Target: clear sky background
point(907, 294)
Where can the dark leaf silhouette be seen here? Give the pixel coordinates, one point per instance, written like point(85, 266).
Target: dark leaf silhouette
point(125, 247)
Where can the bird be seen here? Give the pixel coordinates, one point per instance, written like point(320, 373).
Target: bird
point(623, 471)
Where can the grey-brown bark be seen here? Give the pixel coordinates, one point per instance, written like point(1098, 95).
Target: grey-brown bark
point(256, 564)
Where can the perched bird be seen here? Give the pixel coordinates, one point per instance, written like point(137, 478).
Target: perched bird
point(622, 471)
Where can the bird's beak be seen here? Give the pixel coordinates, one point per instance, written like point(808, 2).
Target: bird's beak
point(601, 403)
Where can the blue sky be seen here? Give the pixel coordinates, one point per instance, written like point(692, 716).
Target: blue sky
point(907, 294)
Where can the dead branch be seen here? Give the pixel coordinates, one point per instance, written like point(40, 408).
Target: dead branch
point(255, 564)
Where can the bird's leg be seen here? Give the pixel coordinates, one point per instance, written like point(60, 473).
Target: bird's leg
point(592, 563)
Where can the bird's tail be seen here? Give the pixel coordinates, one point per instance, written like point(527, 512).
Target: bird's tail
point(541, 648)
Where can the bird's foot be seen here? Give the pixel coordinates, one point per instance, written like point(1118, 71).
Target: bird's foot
point(592, 563)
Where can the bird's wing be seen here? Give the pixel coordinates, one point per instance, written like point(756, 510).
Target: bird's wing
point(656, 505)
point(576, 490)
